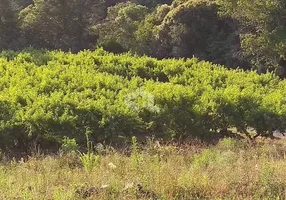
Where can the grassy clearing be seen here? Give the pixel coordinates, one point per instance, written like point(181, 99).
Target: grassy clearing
point(232, 169)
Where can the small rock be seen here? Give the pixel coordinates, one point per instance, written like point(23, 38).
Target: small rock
point(112, 166)
point(128, 186)
point(104, 186)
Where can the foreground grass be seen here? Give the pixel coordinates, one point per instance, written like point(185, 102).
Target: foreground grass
point(232, 169)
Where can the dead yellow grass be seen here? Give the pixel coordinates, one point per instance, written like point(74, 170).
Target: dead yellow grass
point(232, 169)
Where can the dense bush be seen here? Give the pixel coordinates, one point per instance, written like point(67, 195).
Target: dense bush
point(46, 96)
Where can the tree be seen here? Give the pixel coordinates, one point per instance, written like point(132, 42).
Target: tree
point(9, 32)
point(262, 29)
point(183, 29)
point(190, 28)
point(117, 32)
point(61, 24)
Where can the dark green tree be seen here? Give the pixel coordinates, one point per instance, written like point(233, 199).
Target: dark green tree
point(193, 28)
point(9, 32)
point(190, 28)
point(262, 28)
point(61, 24)
point(183, 29)
point(117, 32)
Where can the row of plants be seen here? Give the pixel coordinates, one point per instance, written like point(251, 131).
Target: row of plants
point(48, 95)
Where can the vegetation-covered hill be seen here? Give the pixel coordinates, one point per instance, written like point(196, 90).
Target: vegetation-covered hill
point(244, 33)
point(46, 96)
point(82, 79)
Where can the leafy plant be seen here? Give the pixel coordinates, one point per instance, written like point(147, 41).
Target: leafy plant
point(69, 145)
point(177, 99)
point(136, 156)
point(89, 160)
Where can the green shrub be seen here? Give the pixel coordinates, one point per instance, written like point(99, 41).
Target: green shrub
point(69, 145)
point(55, 95)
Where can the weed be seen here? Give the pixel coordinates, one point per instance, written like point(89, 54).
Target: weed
point(225, 171)
point(69, 146)
point(136, 156)
point(89, 160)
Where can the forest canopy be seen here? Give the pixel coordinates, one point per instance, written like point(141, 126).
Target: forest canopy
point(250, 34)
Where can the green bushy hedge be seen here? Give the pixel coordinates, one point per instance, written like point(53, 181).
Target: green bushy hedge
point(56, 94)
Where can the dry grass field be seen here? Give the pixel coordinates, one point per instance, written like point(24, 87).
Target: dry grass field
point(231, 169)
